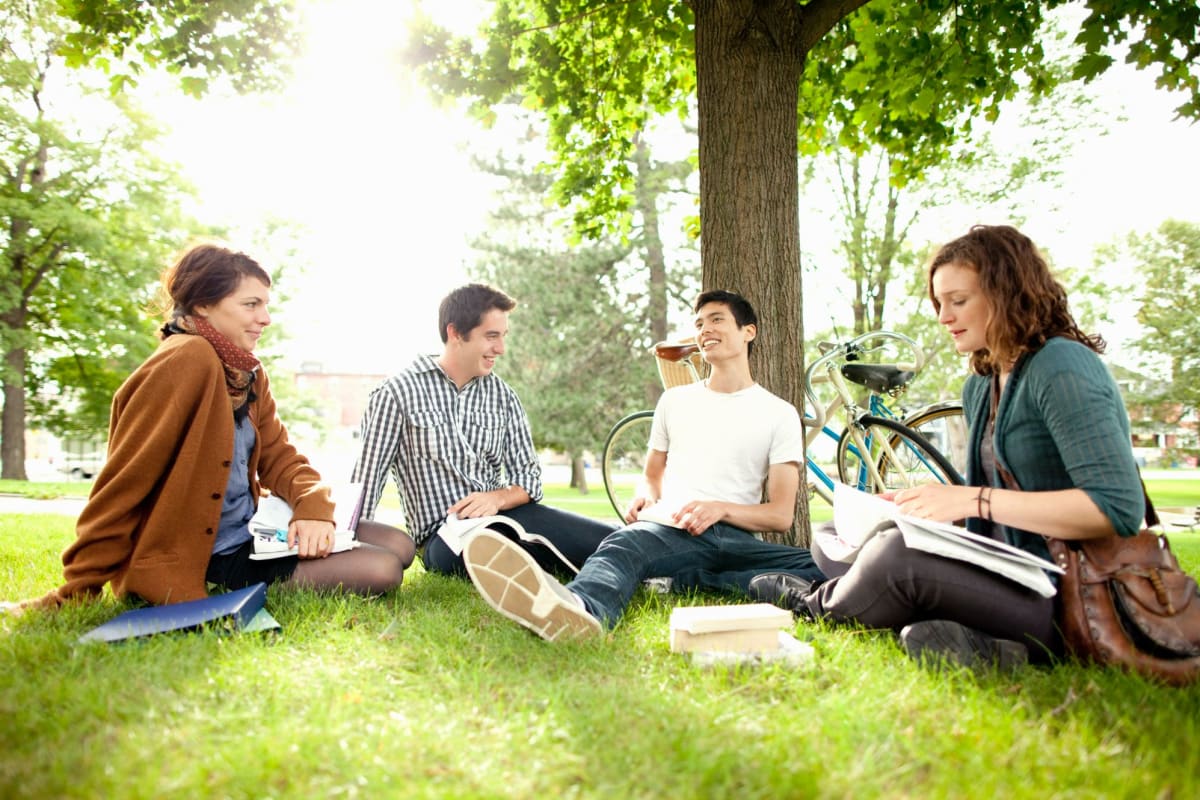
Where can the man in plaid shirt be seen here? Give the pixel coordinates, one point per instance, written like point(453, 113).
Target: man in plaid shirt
point(456, 440)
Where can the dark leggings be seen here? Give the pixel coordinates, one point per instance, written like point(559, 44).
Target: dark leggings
point(890, 585)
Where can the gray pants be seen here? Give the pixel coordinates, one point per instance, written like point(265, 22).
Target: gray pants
point(890, 585)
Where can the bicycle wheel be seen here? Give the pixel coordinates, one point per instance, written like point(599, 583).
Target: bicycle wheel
point(624, 458)
point(944, 425)
point(882, 455)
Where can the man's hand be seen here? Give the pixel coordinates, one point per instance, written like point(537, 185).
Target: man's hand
point(477, 504)
point(699, 515)
point(639, 502)
point(314, 537)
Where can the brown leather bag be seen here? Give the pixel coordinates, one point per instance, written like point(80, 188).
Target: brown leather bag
point(1125, 602)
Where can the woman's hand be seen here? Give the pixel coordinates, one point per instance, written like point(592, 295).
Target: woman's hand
point(313, 537)
point(937, 501)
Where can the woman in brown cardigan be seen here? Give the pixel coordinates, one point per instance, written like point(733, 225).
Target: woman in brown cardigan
point(193, 438)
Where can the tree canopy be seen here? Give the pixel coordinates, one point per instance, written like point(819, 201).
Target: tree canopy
point(88, 216)
point(1167, 262)
point(249, 42)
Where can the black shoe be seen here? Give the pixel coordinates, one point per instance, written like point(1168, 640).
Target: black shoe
point(784, 590)
point(958, 644)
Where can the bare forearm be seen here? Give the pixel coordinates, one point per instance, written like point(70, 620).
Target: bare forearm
point(1064, 514)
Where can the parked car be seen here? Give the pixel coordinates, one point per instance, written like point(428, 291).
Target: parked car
point(84, 467)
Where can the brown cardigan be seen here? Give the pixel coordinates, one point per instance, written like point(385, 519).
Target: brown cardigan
point(150, 522)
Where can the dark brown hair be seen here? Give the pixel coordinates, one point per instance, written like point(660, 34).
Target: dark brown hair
point(465, 306)
point(1029, 306)
point(739, 307)
point(205, 275)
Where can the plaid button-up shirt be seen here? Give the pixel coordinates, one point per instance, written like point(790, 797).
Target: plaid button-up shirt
point(441, 443)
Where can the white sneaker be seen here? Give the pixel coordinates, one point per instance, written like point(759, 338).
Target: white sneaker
point(513, 584)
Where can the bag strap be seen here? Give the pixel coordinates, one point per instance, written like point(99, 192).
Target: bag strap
point(1151, 514)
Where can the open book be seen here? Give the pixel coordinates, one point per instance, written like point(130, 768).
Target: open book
point(270, 522)
point(663, 512)
point(857, 516)
point(455, 531)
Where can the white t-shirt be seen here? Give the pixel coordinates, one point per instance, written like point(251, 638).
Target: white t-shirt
point(719, 446)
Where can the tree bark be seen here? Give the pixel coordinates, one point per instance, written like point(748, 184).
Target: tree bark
point(578, 474)
point(748, 66)
point(12, 424)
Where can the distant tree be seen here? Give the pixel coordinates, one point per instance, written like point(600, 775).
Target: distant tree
point(251, 43)
point(1167, 265)
point(88, 217)
point(588, 313)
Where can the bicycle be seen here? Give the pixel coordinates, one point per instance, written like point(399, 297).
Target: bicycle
point(625, 448)
point(879, 450)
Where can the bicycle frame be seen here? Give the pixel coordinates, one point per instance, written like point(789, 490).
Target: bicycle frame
point(827, 369)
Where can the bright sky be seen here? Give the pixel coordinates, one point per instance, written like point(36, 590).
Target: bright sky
point(354, 152)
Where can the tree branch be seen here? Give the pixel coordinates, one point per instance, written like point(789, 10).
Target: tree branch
point(819, 17)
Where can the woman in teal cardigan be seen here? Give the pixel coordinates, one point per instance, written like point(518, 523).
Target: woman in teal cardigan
point(1049, 456)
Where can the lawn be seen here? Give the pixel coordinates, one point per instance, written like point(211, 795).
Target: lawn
point(427, 693)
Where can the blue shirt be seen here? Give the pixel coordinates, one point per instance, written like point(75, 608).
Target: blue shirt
point(238, 507)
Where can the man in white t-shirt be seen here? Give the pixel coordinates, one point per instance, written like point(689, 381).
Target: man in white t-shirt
point(713, 447)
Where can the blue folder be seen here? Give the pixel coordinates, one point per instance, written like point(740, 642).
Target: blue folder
point(239, 607)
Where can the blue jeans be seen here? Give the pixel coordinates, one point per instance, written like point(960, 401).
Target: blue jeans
point(575, 536)
point(723, 558)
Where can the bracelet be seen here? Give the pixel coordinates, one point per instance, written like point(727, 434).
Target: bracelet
point(981, 501)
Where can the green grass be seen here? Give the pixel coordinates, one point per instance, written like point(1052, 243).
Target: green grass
point(427, 693)
point(45, 490)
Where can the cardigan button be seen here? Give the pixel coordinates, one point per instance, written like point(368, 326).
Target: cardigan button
point(209, 531)
point(216, 496)
point(226, 463)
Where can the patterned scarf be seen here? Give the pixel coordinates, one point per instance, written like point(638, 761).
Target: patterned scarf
point(240, 366)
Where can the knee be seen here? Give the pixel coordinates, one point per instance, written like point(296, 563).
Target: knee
point(884, 554)
point(406, 550)
point(386, 574)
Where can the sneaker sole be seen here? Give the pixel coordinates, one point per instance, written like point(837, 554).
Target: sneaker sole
point(512, 583)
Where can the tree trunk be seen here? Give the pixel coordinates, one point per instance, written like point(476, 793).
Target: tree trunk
point(748, 65)
point(578, 474)
point(12, 425)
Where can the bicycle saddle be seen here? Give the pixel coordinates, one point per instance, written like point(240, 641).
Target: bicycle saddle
point(880, 378)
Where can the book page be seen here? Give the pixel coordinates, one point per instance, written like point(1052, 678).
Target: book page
point(1024, 572)
point(857, 515)
point(663, 512)
point(454, 530)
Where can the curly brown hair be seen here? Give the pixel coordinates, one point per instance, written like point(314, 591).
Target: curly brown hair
point(1029, 305)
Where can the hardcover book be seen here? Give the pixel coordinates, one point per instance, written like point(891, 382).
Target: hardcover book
point(747, 628)
point(240, 610)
